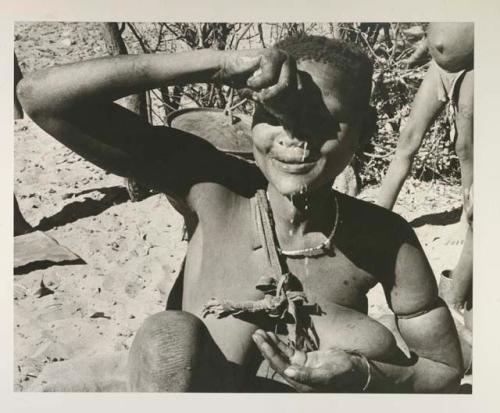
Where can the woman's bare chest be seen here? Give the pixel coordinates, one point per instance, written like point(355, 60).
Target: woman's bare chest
point(232, 269)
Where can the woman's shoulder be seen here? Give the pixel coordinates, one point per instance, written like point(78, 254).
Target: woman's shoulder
point(366, 217)
point(231, 181)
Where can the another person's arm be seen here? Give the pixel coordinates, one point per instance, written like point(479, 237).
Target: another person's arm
point(426, 107)
point(421, 52)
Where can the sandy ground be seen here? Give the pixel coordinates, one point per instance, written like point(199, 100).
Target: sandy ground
point(132, 251)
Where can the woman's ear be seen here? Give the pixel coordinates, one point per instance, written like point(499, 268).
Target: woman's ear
point(369, 126)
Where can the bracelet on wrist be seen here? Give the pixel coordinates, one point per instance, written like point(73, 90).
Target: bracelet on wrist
point(368, 365)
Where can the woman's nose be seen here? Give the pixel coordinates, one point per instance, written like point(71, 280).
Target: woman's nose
point(289, 139)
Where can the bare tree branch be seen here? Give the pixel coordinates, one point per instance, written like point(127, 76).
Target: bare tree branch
point(245, 31)
point(142, 41)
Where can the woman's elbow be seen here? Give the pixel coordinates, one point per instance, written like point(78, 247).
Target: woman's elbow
point(32, 93)
point(451, 381)
point(26, 93)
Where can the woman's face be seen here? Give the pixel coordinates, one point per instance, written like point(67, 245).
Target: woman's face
point(319, 140)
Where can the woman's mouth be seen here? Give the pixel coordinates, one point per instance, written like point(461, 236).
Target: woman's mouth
point(293, 166)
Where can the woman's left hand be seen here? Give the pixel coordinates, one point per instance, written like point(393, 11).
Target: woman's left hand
point(330, 370)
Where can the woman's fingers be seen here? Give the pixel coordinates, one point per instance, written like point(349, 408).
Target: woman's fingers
point(299, 374)
point(315, 371)
point(267, 75)
point(270, 351)
point(281, 99)
point(318, 379)
point(285, 81)
point(237, 67)
point(287, 350)
point(277, 359)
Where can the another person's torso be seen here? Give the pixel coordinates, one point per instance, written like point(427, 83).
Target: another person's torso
point(452, 45)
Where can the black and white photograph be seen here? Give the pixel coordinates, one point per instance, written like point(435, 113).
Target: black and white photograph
point(243, 207)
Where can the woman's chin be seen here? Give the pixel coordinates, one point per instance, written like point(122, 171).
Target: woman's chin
point(293, 188)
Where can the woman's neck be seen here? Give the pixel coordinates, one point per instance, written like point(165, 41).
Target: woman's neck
point(303, 213)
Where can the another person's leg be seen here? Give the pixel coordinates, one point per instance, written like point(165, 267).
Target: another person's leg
point(465, 263)
point(458, 282)
point(464, 148)
point(462, 273)
point(428, 103)
point(464, 145)
point(174, 352)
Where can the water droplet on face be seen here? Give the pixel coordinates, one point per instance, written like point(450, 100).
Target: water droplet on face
point(303, 189)
point(304, 152)
point(306, 198)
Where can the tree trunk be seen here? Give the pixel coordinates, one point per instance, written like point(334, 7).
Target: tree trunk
point(116, 46)
point(18, 110)
point(136, 103)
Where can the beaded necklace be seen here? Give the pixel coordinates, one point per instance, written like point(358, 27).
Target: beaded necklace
point(318, 250)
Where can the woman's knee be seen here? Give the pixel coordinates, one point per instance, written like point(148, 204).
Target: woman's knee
point(165, 352)
point(173, 320)
point(171, 331)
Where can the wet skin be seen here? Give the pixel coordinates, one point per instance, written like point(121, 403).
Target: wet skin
point(222, 262)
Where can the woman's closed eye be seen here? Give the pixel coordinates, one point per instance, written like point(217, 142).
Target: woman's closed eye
point(321, 124)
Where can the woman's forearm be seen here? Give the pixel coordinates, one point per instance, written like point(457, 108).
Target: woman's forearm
point(435, 363)
point(62, 88)
point(424, 376)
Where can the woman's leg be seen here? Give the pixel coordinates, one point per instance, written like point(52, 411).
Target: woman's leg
point(174, 352)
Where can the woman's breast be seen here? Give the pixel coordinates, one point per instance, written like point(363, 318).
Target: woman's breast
point(347, 329)
point(222, 265)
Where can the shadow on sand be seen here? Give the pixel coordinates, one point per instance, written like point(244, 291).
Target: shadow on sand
point(74, 211)
point(438, 218)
